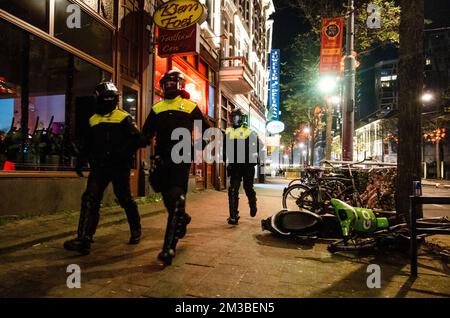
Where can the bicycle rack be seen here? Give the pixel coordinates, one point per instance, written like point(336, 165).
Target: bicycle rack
point(415, 201)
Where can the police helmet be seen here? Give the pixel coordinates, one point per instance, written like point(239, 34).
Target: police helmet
point(106, 97)
point(172, 84)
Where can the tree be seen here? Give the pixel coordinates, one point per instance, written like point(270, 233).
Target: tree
point(301, 72)
point(410, 76)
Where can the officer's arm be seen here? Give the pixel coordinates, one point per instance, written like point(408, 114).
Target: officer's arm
point(137, 139)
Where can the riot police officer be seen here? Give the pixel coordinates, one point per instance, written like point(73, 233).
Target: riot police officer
point(241, 148)
point(168, 176)
point(109, 145)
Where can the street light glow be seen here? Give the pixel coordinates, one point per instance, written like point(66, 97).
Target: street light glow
point(427, 97)
point(301, 145)
point(306, 130)
point(327, 84)
point(335, 100)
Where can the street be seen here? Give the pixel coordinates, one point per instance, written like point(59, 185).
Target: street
point(213, 260)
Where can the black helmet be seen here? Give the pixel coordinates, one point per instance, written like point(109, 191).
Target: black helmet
point(237, 118)
point(172, 84)
point(106, 98)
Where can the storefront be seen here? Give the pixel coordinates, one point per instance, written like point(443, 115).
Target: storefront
point(200, 72)
point(53, 54)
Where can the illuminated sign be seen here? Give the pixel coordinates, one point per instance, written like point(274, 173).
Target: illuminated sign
point(274, 96)
point(179, 14)
point(171, 42)
point(275, 127)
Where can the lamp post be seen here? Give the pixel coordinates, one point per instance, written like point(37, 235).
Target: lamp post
point(279, 155)
point(307, 131)
point(349, 87)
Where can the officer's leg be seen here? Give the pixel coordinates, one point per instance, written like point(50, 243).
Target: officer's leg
point(89, 214)
point(248, 176)
point(233, 194)
point(177, 221)
point(121, 185)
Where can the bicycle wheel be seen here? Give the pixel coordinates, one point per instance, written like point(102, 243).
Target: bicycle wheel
point(294, 181)
point(352, 245)
point(350, 196)
point(298, 197)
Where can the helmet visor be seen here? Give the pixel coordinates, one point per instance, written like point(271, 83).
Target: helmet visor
point(170, 85)
point(236, 119)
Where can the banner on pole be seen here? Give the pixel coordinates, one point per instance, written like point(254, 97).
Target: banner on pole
point(331, 45)
point(274, 96)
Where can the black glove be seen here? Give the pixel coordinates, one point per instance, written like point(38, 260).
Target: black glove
point(79, 169)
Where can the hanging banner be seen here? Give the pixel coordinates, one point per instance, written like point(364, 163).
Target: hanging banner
point(173, 42)
point(331, 45)
point(274, 96)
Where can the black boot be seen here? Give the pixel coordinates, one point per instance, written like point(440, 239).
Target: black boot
point(168, 250)
point(78, 245)
point(87, 225)
point(233, 203)
point(253, 208)
point(134, 221)
point(135, 236)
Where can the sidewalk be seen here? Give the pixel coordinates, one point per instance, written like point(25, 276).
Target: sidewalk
point(213, 260)
point(436, 183)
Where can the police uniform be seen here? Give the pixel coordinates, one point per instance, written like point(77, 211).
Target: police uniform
point(166, 116)
point(241, 148)
point(109, 145)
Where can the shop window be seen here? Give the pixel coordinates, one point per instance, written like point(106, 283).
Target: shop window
point(46, 103)
point(103, 7)
point(34, 12)
point(92, 37)
point(129, 38)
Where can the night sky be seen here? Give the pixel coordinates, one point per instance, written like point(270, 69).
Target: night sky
point(288, 22)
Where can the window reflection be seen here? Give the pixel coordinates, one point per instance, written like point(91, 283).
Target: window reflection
point(34, 12)
point(92, 37)
point(45, 99)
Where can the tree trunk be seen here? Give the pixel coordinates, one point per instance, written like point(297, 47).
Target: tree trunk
point(409, 102)
point(329, 137)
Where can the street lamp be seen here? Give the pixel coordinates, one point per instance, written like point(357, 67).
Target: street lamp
point(427, 97)
point(327, 84)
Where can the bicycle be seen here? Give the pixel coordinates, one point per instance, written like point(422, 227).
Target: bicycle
point(316, 197)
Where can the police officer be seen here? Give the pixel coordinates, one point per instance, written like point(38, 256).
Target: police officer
point(242, 148)
point(168, 176)
point(109, 146)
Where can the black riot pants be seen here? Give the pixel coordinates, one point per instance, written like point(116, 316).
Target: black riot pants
point(174, 189)
point(238, 173)
point(98, 180)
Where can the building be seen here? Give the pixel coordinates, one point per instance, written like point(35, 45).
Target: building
point(54, 52)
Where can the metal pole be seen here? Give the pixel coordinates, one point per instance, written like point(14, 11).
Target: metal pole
point(413, 234)
point(349, 87)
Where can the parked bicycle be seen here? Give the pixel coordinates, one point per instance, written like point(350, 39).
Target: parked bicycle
point(315, 195)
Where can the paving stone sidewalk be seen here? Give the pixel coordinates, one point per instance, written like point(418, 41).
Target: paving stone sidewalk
point(213, 260)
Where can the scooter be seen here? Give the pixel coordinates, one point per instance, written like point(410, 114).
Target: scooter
point(303, 224)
